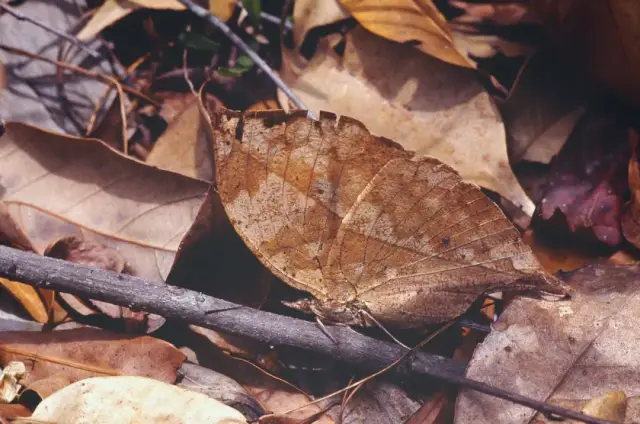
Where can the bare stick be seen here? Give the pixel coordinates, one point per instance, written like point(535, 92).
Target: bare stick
point(193, 307)
point(22, 17)
point(204, 14)
point(89, 73)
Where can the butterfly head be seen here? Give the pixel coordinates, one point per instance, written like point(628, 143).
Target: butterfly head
point(331, 311)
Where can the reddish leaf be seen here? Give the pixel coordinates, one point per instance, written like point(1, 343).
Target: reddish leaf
point(588, 180)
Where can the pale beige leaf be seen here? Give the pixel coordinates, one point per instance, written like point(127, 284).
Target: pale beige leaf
point(184, 147)
point(563, 352)
point(428, 106)
point(118, 400)
point(112, 11)
point(361, 224)
point(309, 14)
point(55, 186)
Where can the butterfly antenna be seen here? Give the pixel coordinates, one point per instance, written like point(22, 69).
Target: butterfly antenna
point(325, 331)
point(365, 312)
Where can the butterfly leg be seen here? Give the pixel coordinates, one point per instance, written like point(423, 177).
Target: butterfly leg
point(325, 331)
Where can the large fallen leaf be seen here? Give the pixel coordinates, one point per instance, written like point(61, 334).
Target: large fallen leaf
point(118, 400)
point(588, 181)
point(353, 220)
point(56, 359)
point(55, 186)
point(563, 352)
point(428, 106)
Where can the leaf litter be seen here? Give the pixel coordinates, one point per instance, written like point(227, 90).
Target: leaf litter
point(426, 105)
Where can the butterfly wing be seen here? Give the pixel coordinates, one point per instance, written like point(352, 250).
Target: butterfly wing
point(420, 245)
point(287, 182)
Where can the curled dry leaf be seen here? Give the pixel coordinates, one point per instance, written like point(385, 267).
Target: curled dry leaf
point(117, 400)
point(361, 224)
point(55, 186)
point(475, 31)
point(56, 359)
point(563, 352)
point(428, 106)
point(588, 180)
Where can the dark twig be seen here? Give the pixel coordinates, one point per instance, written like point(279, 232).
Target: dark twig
point(195, 308)
point(204, 14)
point(22, 17)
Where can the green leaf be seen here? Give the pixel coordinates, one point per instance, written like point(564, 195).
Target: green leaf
point(253, 9)
point(242, 65)
point(196, 41)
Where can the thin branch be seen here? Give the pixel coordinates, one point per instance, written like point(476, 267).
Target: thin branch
point(73, 40)
point(193, 307)
point(204, 14)
point(87, 72)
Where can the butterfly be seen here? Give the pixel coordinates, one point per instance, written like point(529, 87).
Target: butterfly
point(372, 232)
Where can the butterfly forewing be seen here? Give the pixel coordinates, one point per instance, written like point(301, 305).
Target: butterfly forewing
point(287, 182)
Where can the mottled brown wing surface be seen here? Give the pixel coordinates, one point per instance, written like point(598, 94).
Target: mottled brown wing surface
point(420, 245)
point(288, 181)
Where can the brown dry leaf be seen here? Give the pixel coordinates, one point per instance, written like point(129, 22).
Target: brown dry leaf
point(86, 252)
point(435, 410)
point(353, 220)
point(631, 216)
point(9, 412)
point(555, 256)
point(309, 14)
point(603, 39)
point(588, 180)
point(427, 106)
point(117, 400)
point(562, 352)
point(183, 147)
point(56, 359)
point(97, 255)
point(55, 186)
point(112, 11)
